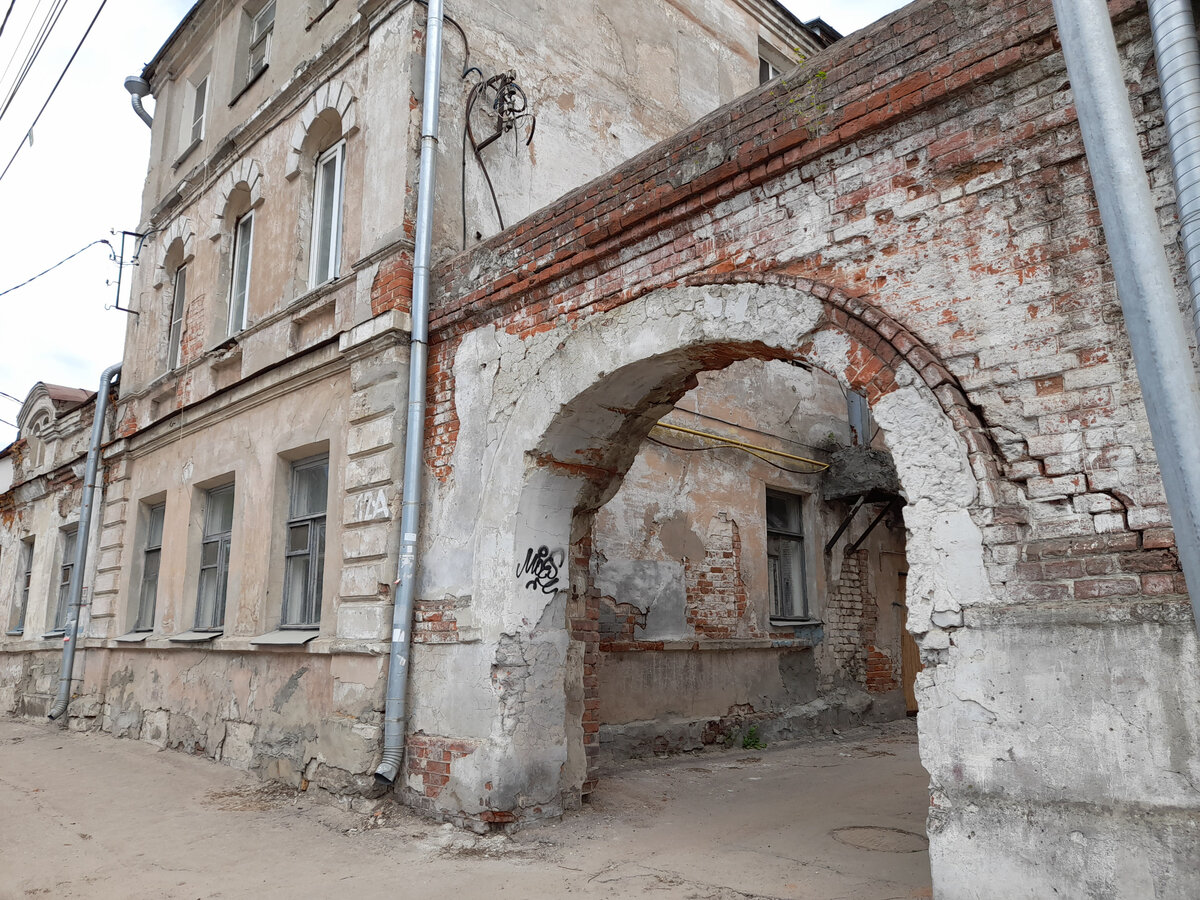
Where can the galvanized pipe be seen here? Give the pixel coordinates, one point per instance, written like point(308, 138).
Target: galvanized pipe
point(1177, 54)
point(138, 88)
point(395, 705)
point(75, 586)
point(1144, 283)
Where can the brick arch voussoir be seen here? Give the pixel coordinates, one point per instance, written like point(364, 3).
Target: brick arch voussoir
point(879, 345)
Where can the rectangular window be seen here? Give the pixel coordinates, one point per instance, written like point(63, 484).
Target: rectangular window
point(327, 215)
point(178, 301)
point(787, 575)
point(261, 26)
point(199, 102)
point(243, 236)
point(304, 574)
point(214, 559)
point(766, 70)
point(150, 561)
point(26, 575)
point(64, 579)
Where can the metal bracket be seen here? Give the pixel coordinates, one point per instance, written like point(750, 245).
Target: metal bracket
point(120, 261)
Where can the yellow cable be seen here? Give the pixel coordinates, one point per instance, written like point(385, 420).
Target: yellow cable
point(751, 448)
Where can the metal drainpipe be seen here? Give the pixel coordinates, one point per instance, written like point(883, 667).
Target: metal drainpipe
point(75, 587)
point(1144, 283)
point(395, 708)
point(1177, 54)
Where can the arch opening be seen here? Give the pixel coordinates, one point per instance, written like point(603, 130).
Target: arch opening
point(550, 425)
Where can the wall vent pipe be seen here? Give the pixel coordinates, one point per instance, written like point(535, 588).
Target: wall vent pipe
point(138, 88)
point(1177, 55)
point(395, 705)
point(1146, 289)
point(75, 586)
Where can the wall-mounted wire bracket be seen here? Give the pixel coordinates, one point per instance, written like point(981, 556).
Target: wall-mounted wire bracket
point(119, 259)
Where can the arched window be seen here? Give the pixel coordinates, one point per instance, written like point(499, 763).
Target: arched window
point(318, 155)
point(238, 199)
point(174, 269)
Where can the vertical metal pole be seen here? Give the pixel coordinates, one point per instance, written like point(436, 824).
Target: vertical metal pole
point(395, 706)
point(1144, 282)
point(75, 586)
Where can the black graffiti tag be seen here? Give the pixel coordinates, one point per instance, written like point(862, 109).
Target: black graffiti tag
point(543, 566)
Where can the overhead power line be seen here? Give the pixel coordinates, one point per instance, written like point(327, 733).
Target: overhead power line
point(7, 13)
point(56, 265)
point(39, 42)
point(55, 88)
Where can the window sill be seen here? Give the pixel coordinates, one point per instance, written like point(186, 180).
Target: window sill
point(805, 638)
point(54, 635)
point(792, 622)
point(134, 637)
point(187, 152)
point(194, 637)
point(289, 637)
point(249, 84)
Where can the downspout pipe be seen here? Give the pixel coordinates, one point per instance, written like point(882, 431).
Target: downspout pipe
point(138, 88)
point(395, 714)
point(1156, 331)
point(75, 586)
point(1177, 55)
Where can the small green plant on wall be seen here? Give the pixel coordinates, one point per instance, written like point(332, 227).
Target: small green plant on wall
point(803, 89)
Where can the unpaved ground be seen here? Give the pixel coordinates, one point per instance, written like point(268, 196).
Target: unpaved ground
point(91, 816)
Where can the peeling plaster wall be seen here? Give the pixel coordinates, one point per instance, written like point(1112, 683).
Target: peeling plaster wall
point(688, 654)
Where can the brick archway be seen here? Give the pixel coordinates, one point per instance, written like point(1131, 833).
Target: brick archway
point(547, 425)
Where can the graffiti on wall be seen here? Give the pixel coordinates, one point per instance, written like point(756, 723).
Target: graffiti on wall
point(542, 567)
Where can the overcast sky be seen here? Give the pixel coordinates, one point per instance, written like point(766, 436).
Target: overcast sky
point(83, 175)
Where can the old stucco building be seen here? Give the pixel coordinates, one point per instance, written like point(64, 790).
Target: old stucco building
point(908, 215)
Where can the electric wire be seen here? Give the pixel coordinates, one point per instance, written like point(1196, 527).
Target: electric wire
point(35, 51)
point(769, 462)
point(61, 76)
point(7, 13)
point(55, 266)
point(9, 424)
point(12, 57)
point(692, 412)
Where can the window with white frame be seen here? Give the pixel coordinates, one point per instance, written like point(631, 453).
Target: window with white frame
point(151, 555)
point(304, 571)
point(787, 582)
point(766, 70)
point(17, 621)
point(66, 567)
point(262, 24)
point(214, 559)
point(199, 105)
point(178, 302)
point(243, 239)
point(326, 247)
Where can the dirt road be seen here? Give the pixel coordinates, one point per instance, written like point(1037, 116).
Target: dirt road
point(89, 816)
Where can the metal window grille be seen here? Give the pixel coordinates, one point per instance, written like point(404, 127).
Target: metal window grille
point(243, 236)
point(786, 567)
point(214, 559)
point(18, 625)
point(179, 299)
point(261, 27)
point(150, 563)
point(304, 572)
point(327, 215)
point(64, 578)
